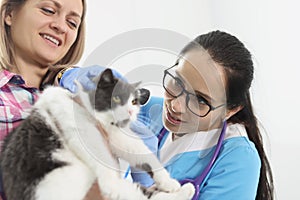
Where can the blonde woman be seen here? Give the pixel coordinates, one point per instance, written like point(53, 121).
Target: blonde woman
point(37, 34)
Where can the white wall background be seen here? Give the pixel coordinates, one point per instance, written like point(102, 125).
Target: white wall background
point(271, 31)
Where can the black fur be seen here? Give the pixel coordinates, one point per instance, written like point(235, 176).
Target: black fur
point(109, 86)
point(146, 167)
point(27, 159)
point(26, 153)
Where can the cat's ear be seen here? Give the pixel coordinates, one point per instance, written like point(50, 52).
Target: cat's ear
point(107, 76)
point(135, 85)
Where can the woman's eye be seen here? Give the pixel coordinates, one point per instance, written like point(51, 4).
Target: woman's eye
point(201, 100)
point(73, 23)
point(178, 83)
point(116, 99)
point(48, 10)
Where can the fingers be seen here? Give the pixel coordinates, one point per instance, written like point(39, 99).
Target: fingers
point(94, 193)
point(94, 70)
point(148, 137)
point(87, 83)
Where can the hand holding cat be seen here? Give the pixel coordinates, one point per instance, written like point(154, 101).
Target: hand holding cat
point(84, 76)
point(145, 134)
point(94, 193)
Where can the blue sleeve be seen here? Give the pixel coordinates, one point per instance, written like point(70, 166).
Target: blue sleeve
point(151, 114)
point(235, 176)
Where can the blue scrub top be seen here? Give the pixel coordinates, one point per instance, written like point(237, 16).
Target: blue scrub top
point(235, 173)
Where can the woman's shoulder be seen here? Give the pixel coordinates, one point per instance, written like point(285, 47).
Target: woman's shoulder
point(236, 140)
point(240, 149)
point(238, 156)
point(237, 166)
point(239, 159)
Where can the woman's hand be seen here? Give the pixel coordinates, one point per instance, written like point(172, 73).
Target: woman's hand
point(84, 76)
point(94, 193)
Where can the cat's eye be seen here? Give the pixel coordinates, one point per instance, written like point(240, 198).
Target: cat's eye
point(116, 99)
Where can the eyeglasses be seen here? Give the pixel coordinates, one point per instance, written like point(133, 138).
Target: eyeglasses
point(197, 104)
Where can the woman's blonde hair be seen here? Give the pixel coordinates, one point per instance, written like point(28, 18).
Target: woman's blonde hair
point(7, 57)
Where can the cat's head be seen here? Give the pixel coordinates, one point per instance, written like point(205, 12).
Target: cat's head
point(117, 98)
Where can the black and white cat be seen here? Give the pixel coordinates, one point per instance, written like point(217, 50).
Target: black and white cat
point(58, 151)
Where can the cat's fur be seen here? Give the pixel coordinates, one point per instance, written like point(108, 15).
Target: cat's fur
point(58, 151)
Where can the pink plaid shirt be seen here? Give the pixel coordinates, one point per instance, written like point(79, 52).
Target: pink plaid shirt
point(16, 100)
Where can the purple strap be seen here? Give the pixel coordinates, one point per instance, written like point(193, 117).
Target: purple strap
point(161, 135)
point(200, 178)
point(198, 181)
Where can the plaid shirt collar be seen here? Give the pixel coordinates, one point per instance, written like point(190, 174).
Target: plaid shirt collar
point(9, 77)
point(16, 101)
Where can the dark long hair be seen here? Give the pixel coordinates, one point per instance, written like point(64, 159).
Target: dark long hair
point(231, 53)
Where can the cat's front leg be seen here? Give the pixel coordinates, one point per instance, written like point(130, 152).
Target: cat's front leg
point(162, 178)
point(186, 192)
point(133, 150)
point(94, 152)
point(115, 188)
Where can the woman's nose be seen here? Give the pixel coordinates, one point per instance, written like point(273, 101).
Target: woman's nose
point(178, 104)
point(59, 25)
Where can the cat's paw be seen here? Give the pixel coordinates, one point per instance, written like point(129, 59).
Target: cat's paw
point(187, 191)
point(168, 185)
point(121, 189)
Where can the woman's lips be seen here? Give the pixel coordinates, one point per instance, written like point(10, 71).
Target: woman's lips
point(172, 120)
point(54, 41)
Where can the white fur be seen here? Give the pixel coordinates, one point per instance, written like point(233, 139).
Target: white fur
point(90, 154)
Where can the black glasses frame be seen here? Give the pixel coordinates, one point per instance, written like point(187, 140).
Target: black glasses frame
point(211, 108)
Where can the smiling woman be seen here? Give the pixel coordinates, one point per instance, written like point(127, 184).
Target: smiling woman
point(207, 131)
point(54, 27)
point(35, 35)
point(52, 34)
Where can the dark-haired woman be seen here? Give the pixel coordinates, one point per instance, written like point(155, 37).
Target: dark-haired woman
point(207, 91)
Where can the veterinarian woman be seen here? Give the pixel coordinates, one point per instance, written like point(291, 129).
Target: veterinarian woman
point(207, 98)
point(37, 34)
